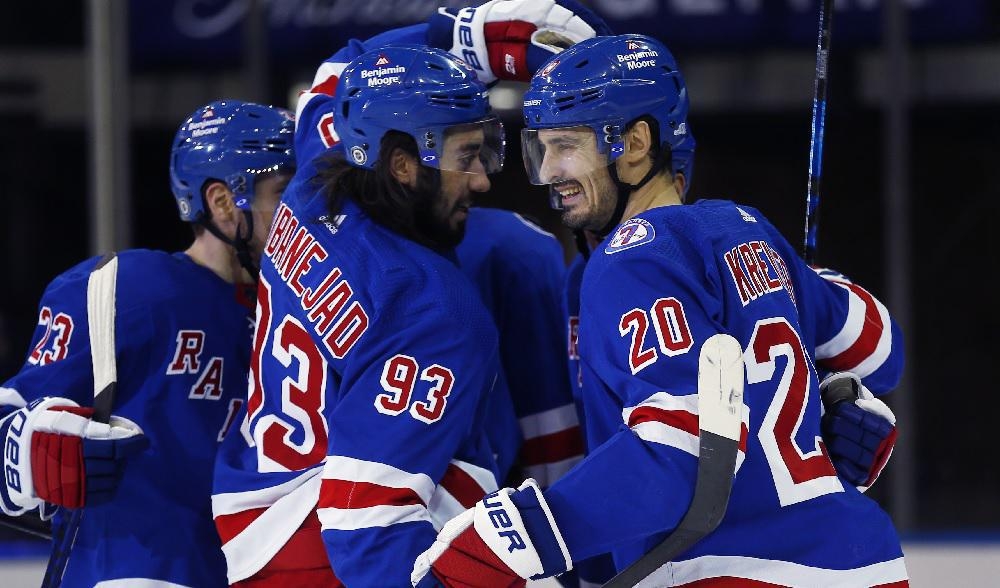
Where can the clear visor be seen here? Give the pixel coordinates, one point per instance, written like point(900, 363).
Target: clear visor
point(562, 154)
point(264, 187)
point(473, 148)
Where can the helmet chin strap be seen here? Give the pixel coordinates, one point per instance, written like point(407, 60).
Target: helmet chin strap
point(625, 189)
point(241, 243)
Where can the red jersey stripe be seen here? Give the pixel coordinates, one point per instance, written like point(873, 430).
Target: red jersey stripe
point(348, 494)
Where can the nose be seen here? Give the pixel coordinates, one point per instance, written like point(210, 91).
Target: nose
point(549, 169)
point(479, 182)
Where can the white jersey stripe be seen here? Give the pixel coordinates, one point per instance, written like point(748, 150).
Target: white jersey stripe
point(357, 470)
point(849, 332)
point(780, 573)
point(350, 519)
point(549, 421)
point(250, 551)
point(657, 432)
point(235, 502)
point(665, 401)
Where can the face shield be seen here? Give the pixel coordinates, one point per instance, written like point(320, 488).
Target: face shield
point(553, 156)
point(474, 148)
point(246, 185)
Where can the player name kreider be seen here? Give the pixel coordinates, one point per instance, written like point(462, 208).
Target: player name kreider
point(335, 315)
point(756, 270)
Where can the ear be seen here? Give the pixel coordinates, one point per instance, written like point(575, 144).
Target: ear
point(680, 183)
point(219, 200)
point(638, 140)
point(403, 167)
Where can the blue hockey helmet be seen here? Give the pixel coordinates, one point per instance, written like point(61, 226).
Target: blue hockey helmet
point(233, 142)
point(602, 85)
point(424, 92)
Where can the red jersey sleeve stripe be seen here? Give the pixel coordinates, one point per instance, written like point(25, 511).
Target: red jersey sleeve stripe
point(346, 494)
point(866, 343)
point(679, 419)
point(463, 487)
point(553, 447)
point(232, 525)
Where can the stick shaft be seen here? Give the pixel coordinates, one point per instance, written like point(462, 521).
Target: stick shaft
point(817, 127)
point(101, 288)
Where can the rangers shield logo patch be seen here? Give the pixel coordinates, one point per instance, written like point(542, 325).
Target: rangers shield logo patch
point(631, 233)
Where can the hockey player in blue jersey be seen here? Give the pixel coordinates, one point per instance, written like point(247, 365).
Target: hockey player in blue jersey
point(607, 130)
point(374, 358)
point(498, 32)
point(182, 333)
point(504, 40)
point(519, 270)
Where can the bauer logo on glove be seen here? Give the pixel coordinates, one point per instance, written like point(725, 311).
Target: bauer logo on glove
point(54, 453)
point(511, 39)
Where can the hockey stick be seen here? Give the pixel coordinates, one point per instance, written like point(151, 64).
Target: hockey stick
point(29, 524)
point(818, 122)
point(720, 422)
point(101, 322)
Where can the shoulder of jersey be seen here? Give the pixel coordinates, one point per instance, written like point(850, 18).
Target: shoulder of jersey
point(505, 222)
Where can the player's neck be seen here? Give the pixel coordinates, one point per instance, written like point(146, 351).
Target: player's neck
point(655, 193)
point(210, 252)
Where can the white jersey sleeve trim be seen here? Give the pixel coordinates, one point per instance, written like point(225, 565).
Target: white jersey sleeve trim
point(250, 551)
point(780, 573)
point(340, 467)
point(11, 397)
point(550, 421)
point(851, 333)
point(352, 519)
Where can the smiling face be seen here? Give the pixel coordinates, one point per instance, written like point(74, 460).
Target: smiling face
point(578, 175)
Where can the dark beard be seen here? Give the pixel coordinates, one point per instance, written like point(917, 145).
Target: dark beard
point(433, 230)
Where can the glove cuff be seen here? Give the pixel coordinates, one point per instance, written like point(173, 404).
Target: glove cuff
point(462, 35)
point(17, 494)
point(518, 527)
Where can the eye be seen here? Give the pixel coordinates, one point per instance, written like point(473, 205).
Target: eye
point(466, 161)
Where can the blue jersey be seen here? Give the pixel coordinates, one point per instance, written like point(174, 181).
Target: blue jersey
point(598, 569)
point(571, 312)
point(182, 341)
point(519, 271)
point(652, 293)
point(373, 368)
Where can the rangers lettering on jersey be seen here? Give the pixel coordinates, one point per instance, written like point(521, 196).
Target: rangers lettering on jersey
point(293, 249)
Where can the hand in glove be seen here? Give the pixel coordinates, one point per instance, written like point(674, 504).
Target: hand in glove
point(54, 453)
point(510, 39)
point(508, 537)
point(858, 429)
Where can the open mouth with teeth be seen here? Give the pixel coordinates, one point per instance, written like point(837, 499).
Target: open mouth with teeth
point(569, 191)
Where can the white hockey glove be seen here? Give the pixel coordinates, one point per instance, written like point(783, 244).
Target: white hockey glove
point(858, 429)
point(507, 538)
point(510, 39)
point(54, 453)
